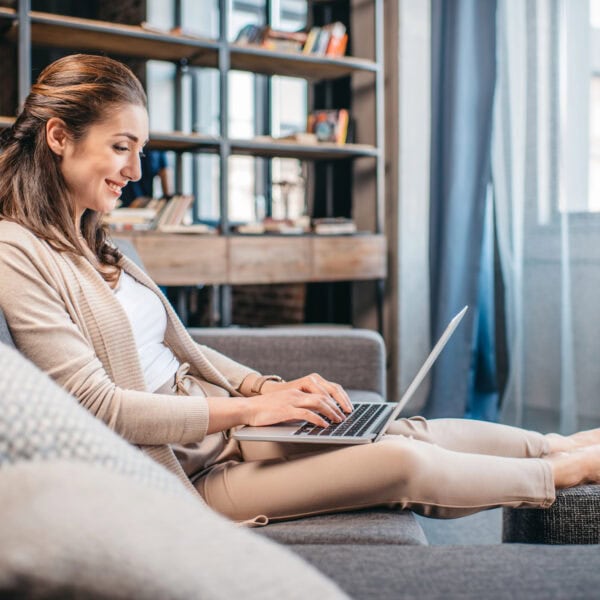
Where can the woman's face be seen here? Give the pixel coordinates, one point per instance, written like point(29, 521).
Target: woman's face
point(99, 165)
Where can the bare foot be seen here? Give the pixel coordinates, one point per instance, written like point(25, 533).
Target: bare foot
point(591, 437)
point(568, 443)
point(578, 466)
point(559, 443)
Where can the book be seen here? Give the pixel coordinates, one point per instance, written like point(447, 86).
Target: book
point(329, 125)
point(271, 39)
point(338, 39)
point(299, 137)
point(334, 226)
point(292, 36)
point(320, 45)
point(311, 38)
point(123, 219)
point(283, 226)
point(174, 212)
point(248, 34)
point(196, 228)
point(337, 46)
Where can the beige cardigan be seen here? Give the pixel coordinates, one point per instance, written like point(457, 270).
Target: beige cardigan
point(65, 319)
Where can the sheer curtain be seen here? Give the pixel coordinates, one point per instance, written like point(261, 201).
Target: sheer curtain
point(548, 232)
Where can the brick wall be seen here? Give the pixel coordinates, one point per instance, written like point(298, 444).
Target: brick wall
point(262, 305)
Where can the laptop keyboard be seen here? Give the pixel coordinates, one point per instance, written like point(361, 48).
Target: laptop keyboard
point(354, 425)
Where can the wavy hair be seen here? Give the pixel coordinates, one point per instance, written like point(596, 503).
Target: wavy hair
point(81, 90)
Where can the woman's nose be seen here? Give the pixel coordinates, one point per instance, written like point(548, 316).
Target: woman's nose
point(133, 169)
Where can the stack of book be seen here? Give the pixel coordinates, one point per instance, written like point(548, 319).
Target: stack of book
point(295, 226)
point(167, 216)
point(175, 217)
point(334, 226)
point(271, 39)
point(328, 40)
point(131, 219)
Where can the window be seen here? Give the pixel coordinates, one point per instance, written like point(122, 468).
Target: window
point(579, 91)
point(257, 105)
point(594, 174)
point(255, 183)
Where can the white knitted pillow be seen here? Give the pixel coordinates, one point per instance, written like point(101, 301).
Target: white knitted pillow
point(39, 421)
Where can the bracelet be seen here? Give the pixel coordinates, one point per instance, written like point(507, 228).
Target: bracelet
point(260, 381)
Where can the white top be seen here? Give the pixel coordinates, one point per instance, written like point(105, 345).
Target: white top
point(148, 319)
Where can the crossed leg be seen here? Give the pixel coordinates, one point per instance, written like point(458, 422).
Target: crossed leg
point(446, 468)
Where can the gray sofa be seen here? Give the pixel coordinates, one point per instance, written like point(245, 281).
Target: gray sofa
point(83, 514)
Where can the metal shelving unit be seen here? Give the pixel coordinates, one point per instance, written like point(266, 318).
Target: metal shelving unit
point(27, 28)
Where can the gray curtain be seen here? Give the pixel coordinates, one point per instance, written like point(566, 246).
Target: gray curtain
point(463, 82)
point(547, 219)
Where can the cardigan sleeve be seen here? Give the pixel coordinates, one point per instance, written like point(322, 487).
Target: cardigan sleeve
point(41, 322)
point(235, 372)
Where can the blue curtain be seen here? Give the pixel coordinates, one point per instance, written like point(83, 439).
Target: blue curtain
point(461, 265)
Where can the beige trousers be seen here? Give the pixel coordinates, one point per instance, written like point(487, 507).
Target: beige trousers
point(440, 468)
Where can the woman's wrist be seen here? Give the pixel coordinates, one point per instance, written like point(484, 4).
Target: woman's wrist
point(260, 384)
point(224, 415)
point(255, 384)
point(271, 385)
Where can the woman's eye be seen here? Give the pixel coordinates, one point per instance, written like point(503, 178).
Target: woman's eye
point(120, 148)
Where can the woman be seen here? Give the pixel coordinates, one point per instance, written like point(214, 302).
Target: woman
point(100, 327)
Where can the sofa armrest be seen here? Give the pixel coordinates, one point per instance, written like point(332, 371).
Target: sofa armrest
point(354, 358)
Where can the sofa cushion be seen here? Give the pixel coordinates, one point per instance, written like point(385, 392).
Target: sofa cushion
point(374, 526)
point(501, 571)
point(75, 530)
point(574, 518)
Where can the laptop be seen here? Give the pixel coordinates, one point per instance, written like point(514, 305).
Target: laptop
point(366, 424)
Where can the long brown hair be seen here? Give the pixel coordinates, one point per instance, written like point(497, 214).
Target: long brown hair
point(80, 89)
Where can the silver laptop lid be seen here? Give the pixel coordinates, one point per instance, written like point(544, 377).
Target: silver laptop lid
point(412, 388)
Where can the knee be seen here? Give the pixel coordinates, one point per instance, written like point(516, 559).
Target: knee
point(406, 456)
point(414, 427)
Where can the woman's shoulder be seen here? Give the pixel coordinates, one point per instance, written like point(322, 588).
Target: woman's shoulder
point(13, 232)
point(19, 243)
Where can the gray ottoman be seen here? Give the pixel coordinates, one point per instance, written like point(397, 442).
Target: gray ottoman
point(574, 518)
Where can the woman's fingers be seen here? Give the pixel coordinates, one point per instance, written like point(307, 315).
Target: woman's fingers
point(304, 414)
point(318, 384)
point(324, 405)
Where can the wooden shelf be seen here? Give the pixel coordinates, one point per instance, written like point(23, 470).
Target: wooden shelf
point(178, 141)
point(172, 140)
point(80, 34)
point(296, 64)
point(7, 16)
point(6, 121)
point(235, 260)
point(284, 149)
point(183, 142)
point(128, 40)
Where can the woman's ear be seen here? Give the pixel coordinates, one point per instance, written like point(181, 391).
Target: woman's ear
point(56, 135)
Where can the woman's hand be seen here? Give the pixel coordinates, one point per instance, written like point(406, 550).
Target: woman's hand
point(278, 404)
point(313, 384)
point(308, 398)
